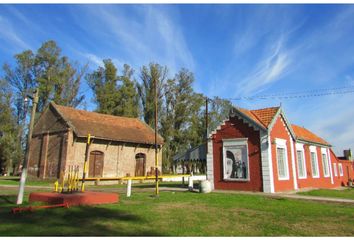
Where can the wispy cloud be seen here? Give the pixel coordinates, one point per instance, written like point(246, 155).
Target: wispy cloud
point(11, 36)
point(268, 70)
point(151, 35)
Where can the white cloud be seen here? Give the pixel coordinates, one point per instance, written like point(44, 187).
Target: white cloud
point(150, 36)
point(10, 35)
point(269, 69)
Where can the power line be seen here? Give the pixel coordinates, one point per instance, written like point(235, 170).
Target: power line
point(300, 94)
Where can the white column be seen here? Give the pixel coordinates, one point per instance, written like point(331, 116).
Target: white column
point(330, 165)
point(293, 161)
point(129, 188)
point(267, 172)
point(270, 164)
point(210, 163)
point(190, 183)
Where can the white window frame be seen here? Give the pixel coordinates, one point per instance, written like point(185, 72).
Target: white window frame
point(313, 150)
point(300, 148)
point(335, 169)
point(235, 142)
point(281, 143)
point(324, 152)
point(340, 166)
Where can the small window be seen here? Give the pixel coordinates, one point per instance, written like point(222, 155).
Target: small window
point(301, 164)
point(325, 165)
point(314, 165)
point(335, 169)
point(340, 169)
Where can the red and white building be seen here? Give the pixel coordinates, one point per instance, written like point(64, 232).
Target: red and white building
point(260, 150)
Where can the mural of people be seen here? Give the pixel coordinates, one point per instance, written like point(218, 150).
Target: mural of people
point(236, 163)
point(230, 156)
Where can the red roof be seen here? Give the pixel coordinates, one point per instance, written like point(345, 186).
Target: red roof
point(103, 126)
point(306, 135)
point(262, 116)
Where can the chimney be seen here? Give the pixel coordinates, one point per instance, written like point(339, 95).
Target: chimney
point(348, 154)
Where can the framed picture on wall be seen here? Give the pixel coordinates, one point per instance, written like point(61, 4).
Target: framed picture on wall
point(235, 159)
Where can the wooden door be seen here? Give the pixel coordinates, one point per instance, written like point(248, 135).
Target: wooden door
point(140, 160)
point(96, 164)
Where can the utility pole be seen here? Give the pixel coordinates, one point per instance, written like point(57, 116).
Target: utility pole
point(156, 156)
point(29, 137)
point(206, 128)
point(206, 119)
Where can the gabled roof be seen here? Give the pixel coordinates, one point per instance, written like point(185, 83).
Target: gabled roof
point(262, 116)
point(103, 126)
point(308, 136)
point(265, 118)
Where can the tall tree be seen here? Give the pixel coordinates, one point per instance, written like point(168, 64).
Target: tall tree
point(146, 89)
point(179, 110)
point(10, 149)
point(115, 95)
point(54, 75)
point(104, 83)
point(58, 80)
point(218, 112)
point(128, 101)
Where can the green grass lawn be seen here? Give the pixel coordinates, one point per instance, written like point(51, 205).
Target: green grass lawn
point(346, 193)
point(29, 182)
point(183, 214)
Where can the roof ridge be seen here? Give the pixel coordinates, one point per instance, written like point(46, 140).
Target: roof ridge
point(89, 112)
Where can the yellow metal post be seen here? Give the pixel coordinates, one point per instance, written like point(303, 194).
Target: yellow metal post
point(85, 163)
point(56, 184)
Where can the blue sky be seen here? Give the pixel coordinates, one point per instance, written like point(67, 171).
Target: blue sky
point(233, 50)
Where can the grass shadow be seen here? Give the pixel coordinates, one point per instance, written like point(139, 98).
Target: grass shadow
point(74, 221)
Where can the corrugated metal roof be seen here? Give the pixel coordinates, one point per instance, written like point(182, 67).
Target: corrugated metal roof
point(193, 154)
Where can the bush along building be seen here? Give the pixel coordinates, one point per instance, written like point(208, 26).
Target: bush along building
point(120, 146)
point(259, 150)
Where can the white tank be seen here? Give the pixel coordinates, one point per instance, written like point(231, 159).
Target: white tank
point(205, 186)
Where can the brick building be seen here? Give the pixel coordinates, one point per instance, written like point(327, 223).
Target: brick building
point(120, 146)
point(259, 150)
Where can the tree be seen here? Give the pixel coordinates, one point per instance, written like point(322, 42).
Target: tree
point(146, 90)
point(179, 110)
point(57, 79)
point(219, 111)
point(115, 95)
point(128, 101)
point(10, 150)
point(104, 83)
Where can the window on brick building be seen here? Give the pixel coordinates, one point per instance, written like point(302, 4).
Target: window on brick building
point(314, 164)
point(340, 169)
point(335, 169)
point(282, 159)
point(325, 165)
point(301, 163)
